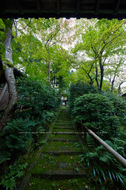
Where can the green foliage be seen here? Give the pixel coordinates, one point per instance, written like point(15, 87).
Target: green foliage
point(15, 171)
point(4, 155)
point(41, 98)
point(2, 37)
point(99, 44)
point(78, 89)
point(37, 107)
point(17, 134)
point(8, 63)
point(103, 165)
point(96, 110)
point(38, 47)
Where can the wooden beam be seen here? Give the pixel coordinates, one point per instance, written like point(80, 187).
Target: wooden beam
point(117, 6)
point(77, 6)
point(58, 6)
point(19, 6)
point(39, 7)
point(97, 6)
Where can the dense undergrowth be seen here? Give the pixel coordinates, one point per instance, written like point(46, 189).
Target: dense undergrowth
point(105, 113)
point(37, 107)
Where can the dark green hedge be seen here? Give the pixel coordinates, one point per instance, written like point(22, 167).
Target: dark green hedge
point(96, 110)
point(78, 89)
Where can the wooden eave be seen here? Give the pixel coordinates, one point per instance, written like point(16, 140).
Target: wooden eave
point(63, 8)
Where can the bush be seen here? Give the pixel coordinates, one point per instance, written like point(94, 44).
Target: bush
point(96, 110)
point(78, 89)
point(43, 103)
point(41, 98)
point(119, 107)
point(17, 134)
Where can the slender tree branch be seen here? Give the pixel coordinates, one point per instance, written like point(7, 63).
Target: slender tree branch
point(15, 25)
point(110, 42)
point(119, 87)
point(26, 25)
point(87, 75)
point(51, 37)
point(94, 51)
point(91, 67)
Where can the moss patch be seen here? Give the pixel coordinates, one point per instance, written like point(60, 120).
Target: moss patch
point(58, 146)
point(63, 136)
point(52, 184)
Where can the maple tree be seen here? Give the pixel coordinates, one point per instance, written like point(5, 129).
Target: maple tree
point(39, 44)
point(100, 39)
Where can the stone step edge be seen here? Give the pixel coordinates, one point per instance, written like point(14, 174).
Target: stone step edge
point(63, 124)
point(63, 152)
point(61, 173)
point(67, 133)
point(55, 132)
point(65, 140)
point(62, 127)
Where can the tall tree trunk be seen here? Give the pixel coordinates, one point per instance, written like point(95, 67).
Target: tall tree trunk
point(102, 74)
point(96, 78)
point(119, 87)
point(110, 83)
point(10, 79)
point(49, 73)
point(113, 83)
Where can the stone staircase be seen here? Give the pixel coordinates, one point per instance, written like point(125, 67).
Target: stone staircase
point(58, 166)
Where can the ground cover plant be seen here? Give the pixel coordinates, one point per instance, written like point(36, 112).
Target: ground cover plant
point(105, 169)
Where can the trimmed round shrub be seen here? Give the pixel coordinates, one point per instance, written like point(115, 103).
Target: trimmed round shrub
point(96, 110)
point(78, 89)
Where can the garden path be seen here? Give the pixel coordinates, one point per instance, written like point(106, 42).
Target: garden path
point(59, 166)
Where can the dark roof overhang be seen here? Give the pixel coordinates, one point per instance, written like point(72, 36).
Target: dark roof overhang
point(63, 8)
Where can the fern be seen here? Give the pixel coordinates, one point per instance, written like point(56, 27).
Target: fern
point(15, 171)
point(4, 155)
point(9, 184)
point(108, 166)
point(90, 141)
point(107, 158)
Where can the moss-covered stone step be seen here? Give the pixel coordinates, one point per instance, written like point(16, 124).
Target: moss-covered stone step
point(64, 118)
point(62, 130)
point(64, 121)
point(69, 183)
point(63, 124)
point(59, 127)
point(65, 133)
point(52, 163)
point(59, 146)
point(58, 174)
point(60, 136)
point(65, 152)
point(63, 140)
